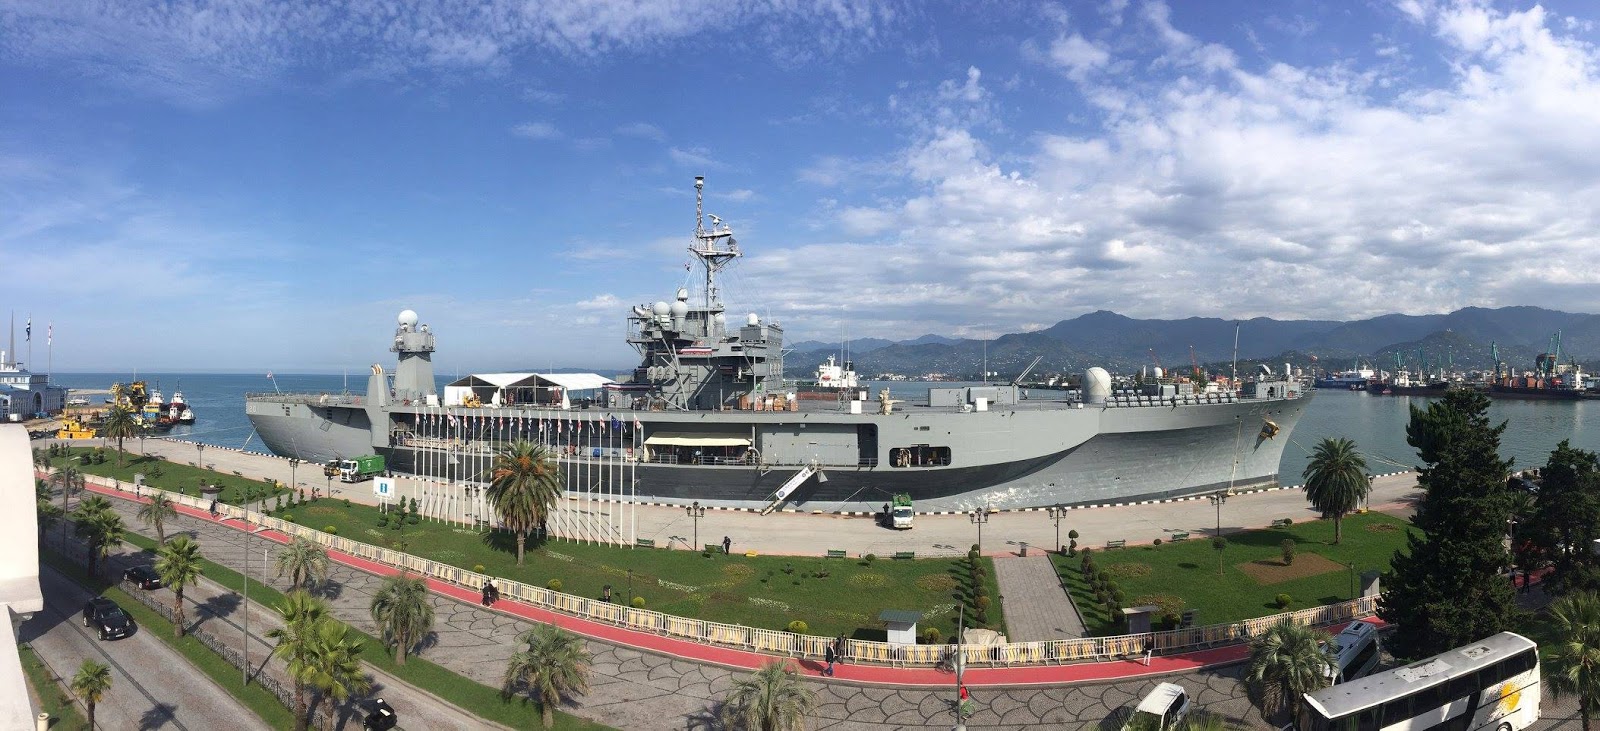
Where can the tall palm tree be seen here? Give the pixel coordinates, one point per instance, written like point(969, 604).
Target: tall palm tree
point(120, 424)
point(402, 612)
point(1287, 662)
point(90, 685)
point(178, 563)
point(1336, 480)
point(336, 670)
point(41, 460)
point(71, 482)
point(771, 699)
point(1574, 665)
point(100, 526)
point(302, 615)
point(48, 514)
point(156, 512)
point(304, 561)
point(552, 663)
point(524, 484)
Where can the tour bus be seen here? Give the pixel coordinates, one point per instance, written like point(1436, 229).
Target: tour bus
point(1490, 684)
point(1355, 652)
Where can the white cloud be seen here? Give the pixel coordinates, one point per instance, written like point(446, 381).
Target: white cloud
point(694, 157)
point(605, 301)
point(537, 131)
point(737, 195)
point(1078, 56)
point(643, 130)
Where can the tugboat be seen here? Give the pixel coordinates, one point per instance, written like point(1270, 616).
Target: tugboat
point(831, 380)
point(179, 409)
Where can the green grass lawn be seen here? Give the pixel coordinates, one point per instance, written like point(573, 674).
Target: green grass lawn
point(1187, 570)
point(54, 698)
point(167, 475)
point(763, 591)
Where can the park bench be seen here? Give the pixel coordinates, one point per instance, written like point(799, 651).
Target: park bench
point(904, 555)
point(1116, 544)
point(835, 553)
point(1283, 522)
point(713, 548)
point(1180, 535)
point(644, 542)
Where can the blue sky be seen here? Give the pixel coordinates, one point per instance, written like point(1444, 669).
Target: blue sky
point(263, 185)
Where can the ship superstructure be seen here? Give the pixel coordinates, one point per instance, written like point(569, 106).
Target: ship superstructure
point(704, 417)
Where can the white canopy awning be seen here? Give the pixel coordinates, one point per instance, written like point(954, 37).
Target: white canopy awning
point(498, 380)
point(683, 439)
point(576, 381)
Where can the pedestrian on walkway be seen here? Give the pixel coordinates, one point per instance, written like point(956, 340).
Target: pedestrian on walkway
point(489, 592)
point(838, 648)
point(213, 508)
point(831, 657)
point(727, 545)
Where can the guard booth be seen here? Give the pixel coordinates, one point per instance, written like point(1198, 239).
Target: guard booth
point(901, 625)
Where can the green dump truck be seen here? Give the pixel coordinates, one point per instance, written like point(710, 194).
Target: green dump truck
point(900, 512)
point(361, 468)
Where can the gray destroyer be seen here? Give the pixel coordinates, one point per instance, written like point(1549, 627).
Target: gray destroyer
point(706, 416)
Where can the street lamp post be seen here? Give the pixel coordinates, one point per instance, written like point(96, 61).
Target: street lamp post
point(696, 512)
point(245, 671)
point(1352, 566)
point(199, 455)
point(1218, 498)
point(979, 517)
point(293, 484)
point(630, 587)
point(1056, 513)
point(1511, 530)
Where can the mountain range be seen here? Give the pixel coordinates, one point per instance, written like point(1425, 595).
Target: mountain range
point(1463, 338)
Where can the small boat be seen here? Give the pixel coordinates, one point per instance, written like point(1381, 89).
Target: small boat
point(179, 409)
point(79, 401)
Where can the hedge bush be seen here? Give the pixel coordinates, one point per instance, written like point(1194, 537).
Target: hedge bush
point(553, 585)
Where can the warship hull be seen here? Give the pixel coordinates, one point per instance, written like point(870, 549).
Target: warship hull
point(1032, 455)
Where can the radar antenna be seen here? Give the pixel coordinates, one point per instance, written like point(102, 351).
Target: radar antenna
point(714, 247)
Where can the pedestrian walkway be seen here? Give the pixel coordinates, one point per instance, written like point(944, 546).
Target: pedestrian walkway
point(1036, 607)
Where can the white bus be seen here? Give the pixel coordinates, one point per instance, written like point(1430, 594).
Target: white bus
point(1354, 651)
point(1490, 684)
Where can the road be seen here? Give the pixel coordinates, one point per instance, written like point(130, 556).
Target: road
point(153, 687)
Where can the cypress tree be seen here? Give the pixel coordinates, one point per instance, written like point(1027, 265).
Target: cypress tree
point(1447, 588)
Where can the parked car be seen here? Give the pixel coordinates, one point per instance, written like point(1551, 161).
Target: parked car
point(380, 716)
point(143, 577)
point(107, 618)
point(1163, 709)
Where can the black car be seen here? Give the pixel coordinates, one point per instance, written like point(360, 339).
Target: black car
point(380, 716)
point(143, 577)
point(107, 618)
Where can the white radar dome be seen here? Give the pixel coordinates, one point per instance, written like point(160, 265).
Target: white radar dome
point(752, 319)
point(1159, 373)
point(683, 295)
point(1096, 385)
point(660, 308)
point(680, 308)
point(408, 318)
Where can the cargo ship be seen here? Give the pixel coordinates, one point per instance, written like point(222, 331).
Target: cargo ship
point(706, 417)
point(1550, 380)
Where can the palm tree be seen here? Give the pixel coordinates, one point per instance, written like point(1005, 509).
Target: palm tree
point(48, 514)
point(402, 612)
point(335, 657)
point(302, 615)
point(1336, 480)
point(1208, 721)
point(1286, 663)
point(71, 482)
point(304, 561)
point(100, 526)
point(524, 483)
point(90, 685)
point(155, 513)
point(120, 424)
point(178, 563)
point(41, 460)
point(1574, 664)
point(553, 663)
point(771, 699)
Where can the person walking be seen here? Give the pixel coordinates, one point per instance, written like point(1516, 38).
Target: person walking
point(831, 657)
point(838, 648)
point(488, 592)
point(727, 545)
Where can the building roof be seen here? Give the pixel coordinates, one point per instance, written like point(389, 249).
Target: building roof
point(900, 616)
point(569, 381)
point(1160, 698)
point(576, 381)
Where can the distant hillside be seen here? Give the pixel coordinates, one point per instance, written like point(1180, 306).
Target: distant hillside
point(1110, 340)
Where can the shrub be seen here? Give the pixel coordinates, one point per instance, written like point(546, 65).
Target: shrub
point(1283, 600)
point(553, 585)
point(347, 502)
point(869, 558)
point(413, 519)
point(1219, 543)
point(931, 636)
point(973, 555)
point(477, 568)
point(1073, 534)
point(1158, 541)
point(975, 547)
point(1117, 596)
point(981, 616)
point(1103, 576)
point(1288, 551)
point(288, 517)
point(638, 602)
point(705, 554)
point(983, 603)
point(799, 627)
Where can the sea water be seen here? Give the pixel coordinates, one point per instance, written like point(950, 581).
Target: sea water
point(1377, 424)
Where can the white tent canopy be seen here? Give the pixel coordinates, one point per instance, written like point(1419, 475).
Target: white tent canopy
point(685, 439)
point(523, 388)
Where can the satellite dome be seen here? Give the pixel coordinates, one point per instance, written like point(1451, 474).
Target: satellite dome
point(680, 308)
point(683, 295)
point(408, 318)
point(1096, 385)
point(719, 318)
point(752, 320)
point(1158, 373)
point(660, 308)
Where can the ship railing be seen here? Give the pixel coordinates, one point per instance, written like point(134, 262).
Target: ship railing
point(312, 399)
point(810, 647)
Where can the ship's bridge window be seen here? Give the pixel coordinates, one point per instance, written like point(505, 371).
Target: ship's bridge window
point(920, 455)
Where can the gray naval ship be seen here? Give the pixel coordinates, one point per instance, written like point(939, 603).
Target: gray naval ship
point(706, 417)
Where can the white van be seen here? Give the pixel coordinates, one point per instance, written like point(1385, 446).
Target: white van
point(1355, 652)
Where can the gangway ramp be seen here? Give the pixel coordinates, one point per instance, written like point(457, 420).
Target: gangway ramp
point(789, 486)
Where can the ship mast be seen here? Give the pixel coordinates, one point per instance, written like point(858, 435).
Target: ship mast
point(714, 247)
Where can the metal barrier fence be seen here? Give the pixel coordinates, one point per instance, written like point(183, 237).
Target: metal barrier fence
point(788, 644)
